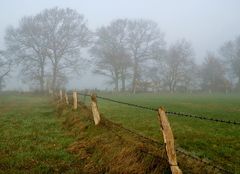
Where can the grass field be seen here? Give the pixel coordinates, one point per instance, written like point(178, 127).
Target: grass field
point(31, 137)
point(215, 141)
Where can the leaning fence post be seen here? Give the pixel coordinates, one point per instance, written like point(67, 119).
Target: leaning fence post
point(60, 95)
point(168, 141)
point(74, 100)
point(66, 98)
point(95, 112)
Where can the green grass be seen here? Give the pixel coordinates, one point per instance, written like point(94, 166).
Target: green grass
point(31, 137)
point(218, 142)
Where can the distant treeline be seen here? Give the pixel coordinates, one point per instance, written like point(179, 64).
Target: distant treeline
point(132, 54)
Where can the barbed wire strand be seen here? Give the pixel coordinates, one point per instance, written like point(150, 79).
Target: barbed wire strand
point(202, 117)
point(159, 143)
point(124, 103)
point(168, 112)
point(135, 133)
point(203, 161)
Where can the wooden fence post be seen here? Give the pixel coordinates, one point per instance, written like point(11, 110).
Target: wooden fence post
point(95, 111)
point(74, 100)
point(56, 96)
point(168, 141)
point(60, 95)
point(66, 98)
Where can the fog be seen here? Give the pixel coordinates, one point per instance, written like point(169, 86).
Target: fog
point(205, 24)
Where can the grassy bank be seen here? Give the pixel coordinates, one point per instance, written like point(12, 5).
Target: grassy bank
point(109, 148)
point(219, 142)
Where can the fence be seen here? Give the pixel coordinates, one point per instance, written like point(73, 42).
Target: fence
point(164, 125)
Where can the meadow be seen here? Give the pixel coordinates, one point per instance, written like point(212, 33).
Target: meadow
point(214, 141)
point(31, 137)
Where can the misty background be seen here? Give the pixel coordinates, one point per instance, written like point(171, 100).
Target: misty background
point(205, 24)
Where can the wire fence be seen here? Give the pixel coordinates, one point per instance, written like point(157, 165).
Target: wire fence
point(181, 114)
point(203, 161)
point(178, 150)
point(203, 117)
point(147, 139)
point(168, 112)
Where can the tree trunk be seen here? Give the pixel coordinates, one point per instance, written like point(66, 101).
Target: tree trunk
point(134, 82)
point(1, 85)
point(41, 84)
point(116, 84)
point(174, 86)
point(123, 81)
point(171, 86)
point(54, 77)
point(123, 84)
point(238, 83)
point(42, 79)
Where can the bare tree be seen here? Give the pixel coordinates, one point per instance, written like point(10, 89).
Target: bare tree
point(66, 33)
point(27, 47)
point(5, 67)
point(54, 35)
point(110, 52)
point(192, 78)
point(231, 53)
point(213, 74)
point(126, 44)
point(145, 41)
point(154, 74)
point(177, 66)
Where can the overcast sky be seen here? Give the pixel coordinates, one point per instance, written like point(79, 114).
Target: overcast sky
point(207, 24)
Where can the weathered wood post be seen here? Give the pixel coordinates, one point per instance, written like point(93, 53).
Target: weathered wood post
point(168, 141)
point(66, 98)
point(74, 100)
point(60, 95)
point(56, 95)
point(95, 111)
